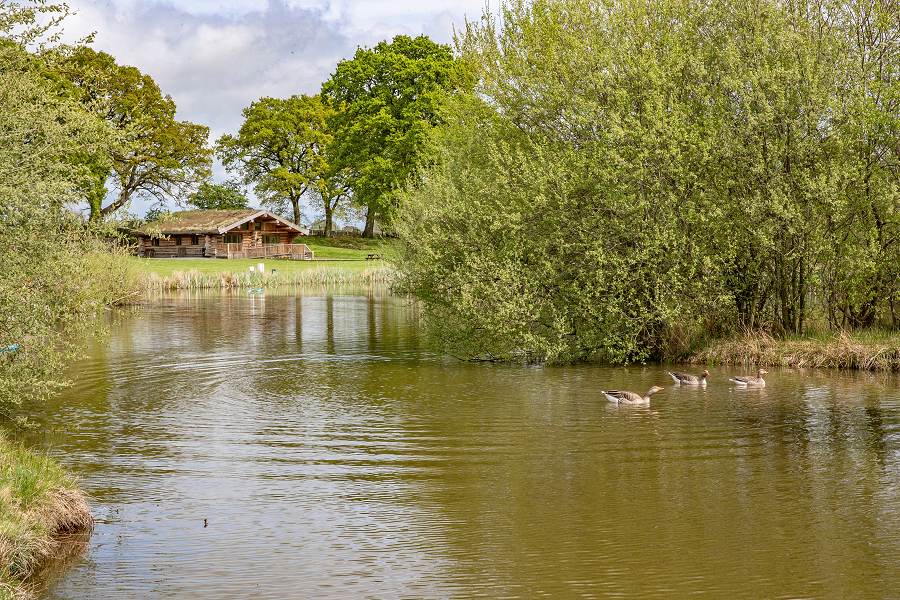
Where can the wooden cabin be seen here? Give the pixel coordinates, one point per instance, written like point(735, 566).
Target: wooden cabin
point(239, 233)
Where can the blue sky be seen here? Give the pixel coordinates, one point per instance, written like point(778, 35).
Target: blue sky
point(214, 57)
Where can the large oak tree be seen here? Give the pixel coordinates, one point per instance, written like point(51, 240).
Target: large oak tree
point(388, 101)
point(279, 149)
point(157, 155)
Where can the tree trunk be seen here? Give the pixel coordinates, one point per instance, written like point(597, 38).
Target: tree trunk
point(329, 217)
point(369, 231)
point(295, 203)
point(119, 202)
point(96, 215)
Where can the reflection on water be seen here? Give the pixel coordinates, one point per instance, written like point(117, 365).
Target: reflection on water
point(334, 458)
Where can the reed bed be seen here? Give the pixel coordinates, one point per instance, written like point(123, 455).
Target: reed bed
point(865, 351)
point(188, 280)
point(39, 504)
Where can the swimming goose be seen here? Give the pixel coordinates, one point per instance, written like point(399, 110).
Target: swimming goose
point(688, 379)
point(622, 397)
point(749, 381)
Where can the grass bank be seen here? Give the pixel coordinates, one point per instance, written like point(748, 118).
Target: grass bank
point(39, 503)
point(158, 274)
point(350, 248)
point(871, 350)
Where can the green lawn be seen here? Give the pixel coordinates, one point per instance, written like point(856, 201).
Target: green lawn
point(349, 247)
point(344, 255)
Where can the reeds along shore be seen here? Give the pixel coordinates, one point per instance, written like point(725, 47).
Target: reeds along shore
point(322, 276)
point(39, 505)
point(864, 351)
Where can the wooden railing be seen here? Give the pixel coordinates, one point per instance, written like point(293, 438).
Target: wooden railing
point(295, 251)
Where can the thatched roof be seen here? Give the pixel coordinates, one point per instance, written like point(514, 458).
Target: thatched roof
point(209, 221)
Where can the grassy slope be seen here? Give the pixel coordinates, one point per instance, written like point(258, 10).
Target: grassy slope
point(38, 502)
point(343, 262)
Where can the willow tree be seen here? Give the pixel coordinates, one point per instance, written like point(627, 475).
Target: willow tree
point(863, 264)
point(54, 273)
point(631, 176)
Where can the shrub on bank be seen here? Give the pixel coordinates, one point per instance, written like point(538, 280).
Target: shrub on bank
point(633, 176)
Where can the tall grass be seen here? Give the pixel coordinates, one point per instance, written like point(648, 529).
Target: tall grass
point(871, 350)
point(179, 280)
point(39, 502)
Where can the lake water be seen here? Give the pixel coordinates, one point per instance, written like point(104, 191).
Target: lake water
point(333, 457)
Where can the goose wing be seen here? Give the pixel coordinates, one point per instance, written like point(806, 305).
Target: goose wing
point(622, 396)
point(683, 377)
point(741, 379)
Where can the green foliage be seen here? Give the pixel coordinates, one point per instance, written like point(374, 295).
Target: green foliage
point(388, 100)
point(55, 274)
point(630, 176)
point(218, 196)
point(156, 213)
point(280, 149)
point(155, 155)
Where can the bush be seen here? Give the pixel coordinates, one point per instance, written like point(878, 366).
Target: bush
point(632, 176)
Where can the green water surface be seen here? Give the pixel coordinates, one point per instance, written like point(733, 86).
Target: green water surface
point(334, 457)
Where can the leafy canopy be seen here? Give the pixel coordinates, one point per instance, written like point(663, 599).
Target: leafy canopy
point(218, 196)
point(387, 100)
point(279, 149)
point(55, 274)
point(630, 177)
point(156, 155)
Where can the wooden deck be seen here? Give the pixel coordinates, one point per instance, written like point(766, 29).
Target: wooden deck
point(292, 251)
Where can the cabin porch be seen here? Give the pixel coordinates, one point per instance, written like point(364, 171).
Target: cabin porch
point(292, 251)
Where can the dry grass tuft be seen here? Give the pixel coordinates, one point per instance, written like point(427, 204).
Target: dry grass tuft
point(843, 350)
point(39, 504)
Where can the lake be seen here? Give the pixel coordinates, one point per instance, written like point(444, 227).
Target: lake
point(333, 456)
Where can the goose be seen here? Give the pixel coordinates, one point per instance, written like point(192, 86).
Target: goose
point(688, 379)
point(749, 381)
point(622, 397)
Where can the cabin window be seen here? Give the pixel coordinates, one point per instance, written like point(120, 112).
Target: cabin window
point(232, 238)
point(258, 226)
point(155, 241)
point(195, 240)
point(270, 239)
point(177, 240)
point(245, 226)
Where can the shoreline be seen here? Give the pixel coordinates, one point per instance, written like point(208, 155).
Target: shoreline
point(865, 350)
point(40, 504)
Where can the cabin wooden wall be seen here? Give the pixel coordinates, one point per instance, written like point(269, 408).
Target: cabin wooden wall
point(169, 247)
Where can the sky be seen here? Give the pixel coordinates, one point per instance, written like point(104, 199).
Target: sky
point(214, 57)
